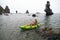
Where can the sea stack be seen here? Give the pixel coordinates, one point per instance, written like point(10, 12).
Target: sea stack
point(27, 12)
point(7, 10)
point(1, 10)
point(47, 9)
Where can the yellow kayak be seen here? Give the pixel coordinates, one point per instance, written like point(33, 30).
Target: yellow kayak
point(27, 27)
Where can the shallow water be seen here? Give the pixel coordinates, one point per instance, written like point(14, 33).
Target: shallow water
point(9, 26)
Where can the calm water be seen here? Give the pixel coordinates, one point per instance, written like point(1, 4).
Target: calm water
point(9, 26)
point(32, 6)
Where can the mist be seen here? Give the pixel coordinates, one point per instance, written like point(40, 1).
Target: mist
point(32, 5)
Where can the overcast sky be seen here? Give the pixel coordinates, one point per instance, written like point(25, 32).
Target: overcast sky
point(32, 5)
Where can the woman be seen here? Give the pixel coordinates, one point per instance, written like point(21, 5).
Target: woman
point(34, 22)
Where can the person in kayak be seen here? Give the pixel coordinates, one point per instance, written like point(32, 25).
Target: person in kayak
point(34, 22)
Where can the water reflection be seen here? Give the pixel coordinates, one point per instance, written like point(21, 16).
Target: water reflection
point(47, 21)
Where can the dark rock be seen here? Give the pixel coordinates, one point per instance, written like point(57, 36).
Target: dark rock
point(48, 10)
point(27, 11)
point(54, 37)
point(0, 13)
point(48, 14)
point(7, 10)
point(1, 10)
point(16, 11)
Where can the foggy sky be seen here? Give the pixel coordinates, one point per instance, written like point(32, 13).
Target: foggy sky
point(32, 5)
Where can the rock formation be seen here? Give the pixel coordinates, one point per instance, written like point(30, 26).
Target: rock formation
point(1, 10)
point(7, 10)
point(27, 11)
point(47, 9)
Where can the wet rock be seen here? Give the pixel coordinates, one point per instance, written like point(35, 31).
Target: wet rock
point(1, 10)
point(48, 10)
point(7, 10)
point(0, 13)
point(16, 11)
point(48, 14)
point(54, 37)
point(27, 11)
